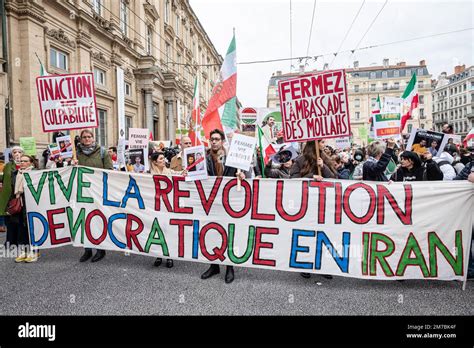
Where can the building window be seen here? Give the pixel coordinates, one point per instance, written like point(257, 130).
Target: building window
point(422, 100)
point(372, 75)
point(168, 53)
point(149, 39)
point(123, 17)
point(357, 103)
point(177, 25)
point(420, 84)
point(373, 101)
point(128, 90)
point(410, 126)
point(396, 85)
point(128, 125)
point(156, 128)
point(420, 71)
point(167, 11)
point(100, 136)
point(464, 99)
point(97, 6)
point(396, 73)
point(372, 87)
point(356, 88)
point(384, 74)
point(357, 115)
point(422, 113)
point(384, 86)
point(58, 59)
point(99, 76)
point(178, 61)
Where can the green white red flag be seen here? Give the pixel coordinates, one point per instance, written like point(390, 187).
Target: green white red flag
point(220, 112)
point(410, 97)
point(195, 124)
point(266, 147)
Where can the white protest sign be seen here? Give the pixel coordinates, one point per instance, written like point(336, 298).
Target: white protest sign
point(67, 101)
point(386, 125)
point(392, 105)
point(194, 161)
point(342, 143)
point(138, 139)
point(65, 146)
point(315, 106)
point(241, 152)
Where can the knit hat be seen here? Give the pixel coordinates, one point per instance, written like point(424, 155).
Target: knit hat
point(17, 148)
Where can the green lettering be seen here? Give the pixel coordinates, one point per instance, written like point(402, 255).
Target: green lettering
point(418, 260)
point(377, 255)
point(35, 193)
point(66, 191)
point(456, 263)
point(81, 184)
point(248, 250)
point(156, 230)
point(80, 222)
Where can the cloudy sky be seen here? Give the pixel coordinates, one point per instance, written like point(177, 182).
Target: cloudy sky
point(263, 33)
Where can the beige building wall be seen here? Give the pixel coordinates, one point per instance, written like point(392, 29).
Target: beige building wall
point(153, 43)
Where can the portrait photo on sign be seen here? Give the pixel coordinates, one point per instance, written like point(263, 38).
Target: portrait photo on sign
point(422, 141)
point(195, 163)
point(137, 160)
point(65, 146)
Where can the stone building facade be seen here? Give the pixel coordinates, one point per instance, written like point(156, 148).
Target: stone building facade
point(453, 100)
point(160, 45)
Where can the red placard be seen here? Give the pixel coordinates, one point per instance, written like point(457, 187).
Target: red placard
point(315, 106)
point(67, 101)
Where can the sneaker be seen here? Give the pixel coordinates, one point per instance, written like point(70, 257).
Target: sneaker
point(32, 257)
point(21, 258)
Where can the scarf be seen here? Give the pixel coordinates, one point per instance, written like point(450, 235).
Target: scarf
point(87, 150)
point(20, 181)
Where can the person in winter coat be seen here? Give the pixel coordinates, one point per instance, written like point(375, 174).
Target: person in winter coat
point(7, 193)
point(412, 168)
point(27, 163)
point(305, 166)
point(379, 157)
point(444, 162)
point(359, 158)
point(342, 171)
point(215, 167)
point(91, 154)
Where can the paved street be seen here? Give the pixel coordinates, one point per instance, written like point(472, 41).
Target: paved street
point(127, 285)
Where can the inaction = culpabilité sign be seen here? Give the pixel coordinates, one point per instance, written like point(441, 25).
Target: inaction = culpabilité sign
point(67, 101)
point(314, 106)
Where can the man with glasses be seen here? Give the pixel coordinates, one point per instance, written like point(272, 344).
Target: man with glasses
point(177, 161)
point(215, 167)
point(91, 154)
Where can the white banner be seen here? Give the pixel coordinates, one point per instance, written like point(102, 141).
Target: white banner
point(345, 228)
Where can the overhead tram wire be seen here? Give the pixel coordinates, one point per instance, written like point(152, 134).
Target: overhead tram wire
point(347, 33)
point(311, 29)
point(359, 49)
point(371, 24)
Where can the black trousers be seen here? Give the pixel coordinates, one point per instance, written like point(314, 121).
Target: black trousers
point(17, 231)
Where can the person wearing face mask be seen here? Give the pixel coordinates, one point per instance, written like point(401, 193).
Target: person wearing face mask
point(26, 254)
point(7, 193)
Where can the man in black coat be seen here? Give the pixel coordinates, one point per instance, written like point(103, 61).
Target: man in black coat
point(216, 167)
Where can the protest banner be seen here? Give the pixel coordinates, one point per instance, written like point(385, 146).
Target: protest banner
point(367, 230)
point(343, 143)
point(28, 145)
point(420, 140)
point(241, 151)
point(120, 102)
point(386, 125)
point(54, 151)
point(138, 138)
point(65, 146)
point(314, 106)
point(67, 101)
point(194, 160)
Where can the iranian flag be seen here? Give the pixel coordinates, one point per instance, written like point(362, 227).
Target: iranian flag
point(221, 110)
point(469, 137)
point(410, 103)
point(43, 71)
point(376, 110)
point(194, 125)
point(266, 147)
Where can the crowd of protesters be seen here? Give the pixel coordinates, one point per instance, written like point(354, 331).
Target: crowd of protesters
point(385, 161)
